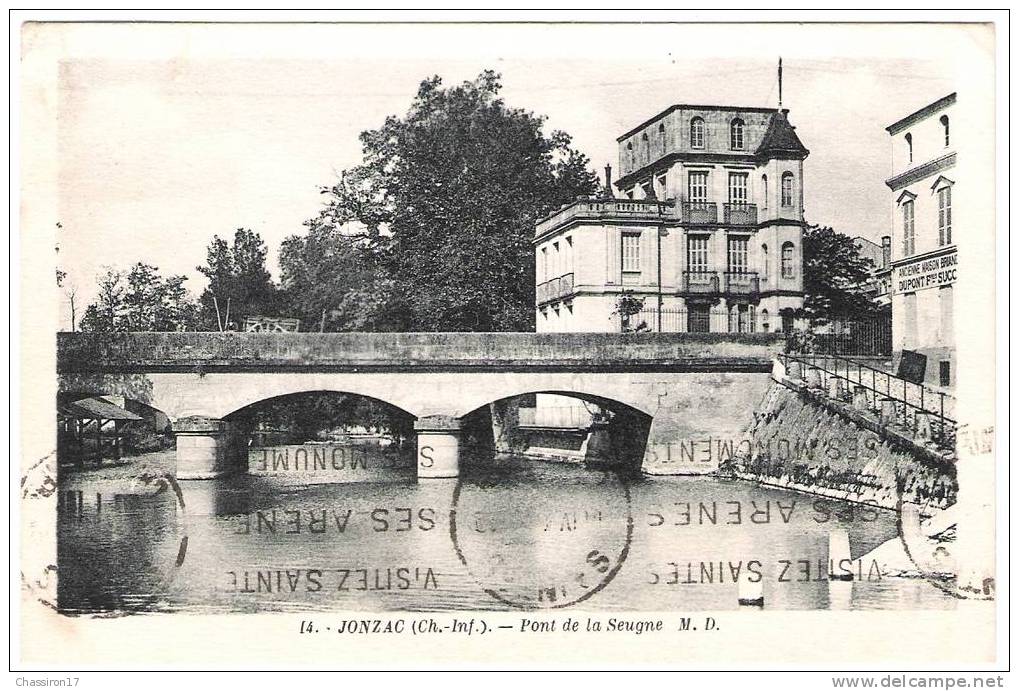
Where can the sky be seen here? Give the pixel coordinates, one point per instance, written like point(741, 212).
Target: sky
point(169, 134)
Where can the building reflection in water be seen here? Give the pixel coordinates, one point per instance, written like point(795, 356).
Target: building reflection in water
point(525, 534)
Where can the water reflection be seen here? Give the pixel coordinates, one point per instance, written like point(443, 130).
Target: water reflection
point(509, 534)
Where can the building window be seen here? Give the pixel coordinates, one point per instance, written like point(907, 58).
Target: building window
point(738, 255)
point(738, 188)
point(741, 318)
point(909, 320)
point(544, 264)
point(661, 136)
point(764, 188)
point(764, 262)
point(660, 189)
point(765, 324)
point(909, 146)
point(736, 135)
point(944, 124)
point(697, 253)
point(788, 265)
point(946, 334)
point(787, 189)
point(697, 133)
point(945, 216)
point(647, 147)
point(697, 186)
point(629, 155)
point(908, 239)
point(631, 252)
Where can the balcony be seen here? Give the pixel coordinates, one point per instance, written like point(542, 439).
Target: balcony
point(555, 289)
point(740, 214)
point(598, 210)
point(700, 282)
point(742, 283)
point(695, 213)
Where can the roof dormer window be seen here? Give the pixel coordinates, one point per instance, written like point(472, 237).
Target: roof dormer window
point(697, 133)
point(736, 128)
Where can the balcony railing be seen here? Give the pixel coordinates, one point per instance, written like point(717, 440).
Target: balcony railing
point(740, 214)
point(700, 281)
point(742, 283)
point(700, 212)
point(599, 209)
point(554, 289)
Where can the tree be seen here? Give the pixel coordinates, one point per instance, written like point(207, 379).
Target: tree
point(140, 300)
point(835, 277)
point(627, 306)
point(108, 312)
point(330, 272)
point(69, 287)
point(444, 206)
point(237, 275)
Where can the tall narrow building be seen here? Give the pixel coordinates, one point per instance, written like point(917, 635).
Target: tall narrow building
point(924, 254)
point(703, 231)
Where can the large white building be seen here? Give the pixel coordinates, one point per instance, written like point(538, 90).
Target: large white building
point(706, 235)
point(925, 189)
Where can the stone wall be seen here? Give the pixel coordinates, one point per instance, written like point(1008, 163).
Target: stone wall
point(799, 443)
point(199, 353)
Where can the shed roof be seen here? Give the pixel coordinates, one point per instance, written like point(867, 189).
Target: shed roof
point(96, 408)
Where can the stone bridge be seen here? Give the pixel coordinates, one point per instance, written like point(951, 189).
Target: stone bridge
point(693, 390)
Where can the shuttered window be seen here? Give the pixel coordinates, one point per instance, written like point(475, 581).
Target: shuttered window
point(697, 253)
point(631, 252)
point(738, 255)
point(945, 216)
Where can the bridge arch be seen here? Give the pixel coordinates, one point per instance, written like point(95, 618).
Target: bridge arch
point(603, 400)
point(246, 407)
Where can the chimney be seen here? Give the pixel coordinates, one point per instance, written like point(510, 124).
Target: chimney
point(609, 194)
point(886, 251)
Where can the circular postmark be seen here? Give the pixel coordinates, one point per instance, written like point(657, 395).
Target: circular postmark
point(88, 512)
point(928, 534)
point(533, 541)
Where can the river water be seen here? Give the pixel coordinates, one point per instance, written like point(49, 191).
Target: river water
point(510, 533)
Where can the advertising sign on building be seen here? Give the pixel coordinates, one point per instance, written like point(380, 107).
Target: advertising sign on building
point(931, 272)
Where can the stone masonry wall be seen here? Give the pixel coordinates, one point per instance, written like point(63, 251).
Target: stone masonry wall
point(798, 443)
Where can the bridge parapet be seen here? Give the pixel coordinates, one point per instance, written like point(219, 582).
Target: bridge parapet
point(203, 352)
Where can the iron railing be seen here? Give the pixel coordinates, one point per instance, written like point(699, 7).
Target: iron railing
point(715, 320)
point(856, 337)
point(705, 282)
point(740, 214)
point(742, 283)
point(700, 213)
point(881, 388)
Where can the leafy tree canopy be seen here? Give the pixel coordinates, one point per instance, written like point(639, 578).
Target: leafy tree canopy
point(237, 275)
point(835, 277)
point(444, 205)
point(140, 300)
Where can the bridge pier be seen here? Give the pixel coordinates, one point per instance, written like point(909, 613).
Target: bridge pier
point(438, 446)
point(204, 447)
